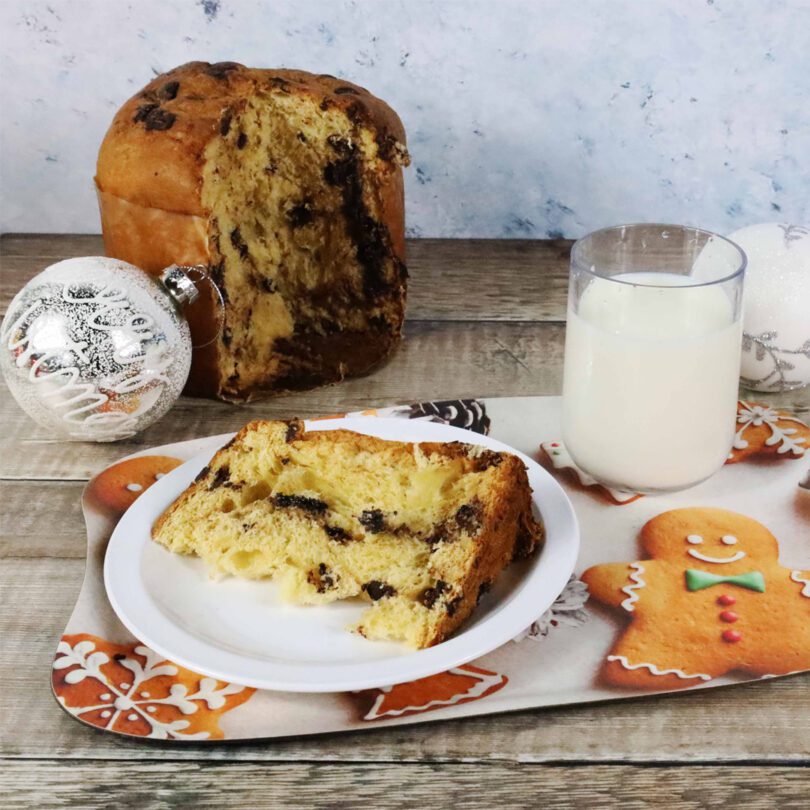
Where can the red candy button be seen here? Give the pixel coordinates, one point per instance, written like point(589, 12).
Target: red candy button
point(732, 636)
point(726, 600)
point(729, 616)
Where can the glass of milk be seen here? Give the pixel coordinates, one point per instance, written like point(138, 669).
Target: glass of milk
point(652, 355)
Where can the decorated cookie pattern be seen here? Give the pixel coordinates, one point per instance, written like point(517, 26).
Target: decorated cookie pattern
point(766, 431)
point(459, 685)
point(686, 618)
point(560, 458)
point(470, 414)
point(130, 689)
point(115, 489)
point(710, 599)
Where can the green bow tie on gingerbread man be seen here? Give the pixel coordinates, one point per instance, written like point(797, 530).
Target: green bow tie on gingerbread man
point(698, 580)
point(678, 629)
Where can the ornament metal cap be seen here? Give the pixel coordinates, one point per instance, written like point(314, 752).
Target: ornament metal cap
point(180, 287)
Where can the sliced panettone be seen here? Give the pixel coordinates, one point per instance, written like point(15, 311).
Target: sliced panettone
point(288, 187)
point(419, 530)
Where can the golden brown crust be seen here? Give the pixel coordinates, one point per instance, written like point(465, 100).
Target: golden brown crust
point(154, 157)
point(392, 209)
point(151, 238)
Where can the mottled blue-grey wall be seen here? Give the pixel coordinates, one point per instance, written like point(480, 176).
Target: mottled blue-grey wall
point(525, 119)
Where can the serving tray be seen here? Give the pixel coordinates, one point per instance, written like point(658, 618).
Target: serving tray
point(580, 650)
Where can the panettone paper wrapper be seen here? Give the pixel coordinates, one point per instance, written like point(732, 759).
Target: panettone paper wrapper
point(104, 677)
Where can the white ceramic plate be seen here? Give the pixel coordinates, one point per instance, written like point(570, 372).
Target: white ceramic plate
point(239, 631)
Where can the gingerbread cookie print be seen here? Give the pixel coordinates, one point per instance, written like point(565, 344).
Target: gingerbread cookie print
point(710, 599)
point(115, 489)
point(765, 432)
point(459, 685)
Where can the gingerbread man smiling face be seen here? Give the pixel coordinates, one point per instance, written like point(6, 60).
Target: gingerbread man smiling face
point(712, 599)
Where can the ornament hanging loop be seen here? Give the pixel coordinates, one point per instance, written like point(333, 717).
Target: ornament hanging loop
point(177, 281)
point(182, 283)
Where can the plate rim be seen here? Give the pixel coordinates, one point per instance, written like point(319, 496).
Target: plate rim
point(467, 645)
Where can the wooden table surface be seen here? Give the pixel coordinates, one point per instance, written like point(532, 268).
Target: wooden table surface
point(486, 318)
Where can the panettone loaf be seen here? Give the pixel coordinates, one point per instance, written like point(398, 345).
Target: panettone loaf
point(418, 530)
point(288, 186)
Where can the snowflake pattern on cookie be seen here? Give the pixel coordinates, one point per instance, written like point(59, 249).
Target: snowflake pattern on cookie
point(458, 685)
point(130, 689)
point(766, 431)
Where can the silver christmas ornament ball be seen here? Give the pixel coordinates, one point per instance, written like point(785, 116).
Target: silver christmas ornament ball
point(94, 349)
point(776, 324)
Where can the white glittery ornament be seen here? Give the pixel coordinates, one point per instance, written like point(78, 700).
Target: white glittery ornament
point(776, 324)
point(94, 349)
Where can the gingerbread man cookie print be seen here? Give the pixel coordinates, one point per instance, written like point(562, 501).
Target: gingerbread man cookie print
point(711, 599)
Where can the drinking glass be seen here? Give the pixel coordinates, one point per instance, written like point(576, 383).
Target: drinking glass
point(652, 355)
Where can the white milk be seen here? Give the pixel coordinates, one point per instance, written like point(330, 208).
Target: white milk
point(650, 383)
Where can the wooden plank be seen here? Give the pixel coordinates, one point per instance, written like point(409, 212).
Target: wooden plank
point(36, 598)
point(43, 548)
point(27, 451)
point(451, 279)
point(52, 246)
point(438, 360)
point(42, 520)
point(315, 785)
point(477, 279)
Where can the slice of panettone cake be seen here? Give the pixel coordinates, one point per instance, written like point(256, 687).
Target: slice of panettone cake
point(420, 531)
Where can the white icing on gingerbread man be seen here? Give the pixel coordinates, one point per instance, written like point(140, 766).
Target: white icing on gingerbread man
point(713, 600)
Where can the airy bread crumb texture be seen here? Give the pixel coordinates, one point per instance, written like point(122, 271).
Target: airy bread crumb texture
point(418, 530)
point(310, 272)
